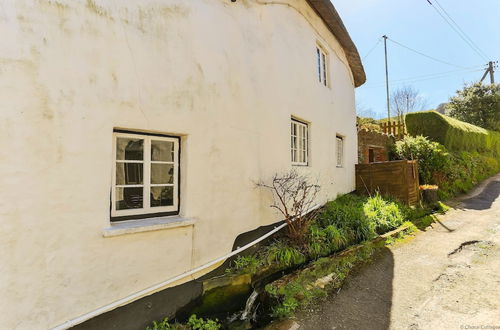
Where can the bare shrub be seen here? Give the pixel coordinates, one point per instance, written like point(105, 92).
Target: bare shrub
point(294, 196)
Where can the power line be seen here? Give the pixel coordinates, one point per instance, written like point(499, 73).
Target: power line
point(471, 45)
point(437, 74)
point(425, 55)
point(372, 49)
point(461, 30)
point(426, 77)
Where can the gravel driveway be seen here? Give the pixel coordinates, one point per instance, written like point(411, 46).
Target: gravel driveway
point(445, 278)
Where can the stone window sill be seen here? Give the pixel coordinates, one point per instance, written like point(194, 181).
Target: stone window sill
point(145, 225)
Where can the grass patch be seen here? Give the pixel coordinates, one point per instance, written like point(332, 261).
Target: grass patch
point(442, 208)
point(282, 254)
point(424, 222)
point(306, 286)
point(245, 264)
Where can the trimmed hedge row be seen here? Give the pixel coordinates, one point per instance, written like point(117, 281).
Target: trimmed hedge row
point(454, 134)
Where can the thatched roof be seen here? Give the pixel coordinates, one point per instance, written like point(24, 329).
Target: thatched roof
point(327, 12)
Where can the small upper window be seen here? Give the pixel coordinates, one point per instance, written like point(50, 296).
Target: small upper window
point(322, 62)
point(299, 142)
point(145, 176)
point(340, 151)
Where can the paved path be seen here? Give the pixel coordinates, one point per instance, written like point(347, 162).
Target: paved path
point(445, 278)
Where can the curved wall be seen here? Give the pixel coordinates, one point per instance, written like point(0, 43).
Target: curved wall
point(225, 76)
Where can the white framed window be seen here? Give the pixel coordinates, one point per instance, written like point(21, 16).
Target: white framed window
point(340, 151)
point(299, 142)
point(322, 64)
point(145, 176)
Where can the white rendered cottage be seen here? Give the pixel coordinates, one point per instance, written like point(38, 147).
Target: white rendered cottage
point(133, 133)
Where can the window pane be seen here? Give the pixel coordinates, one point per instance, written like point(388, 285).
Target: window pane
point(129, 173)
point(129, 198)
point(129, 149)
point(162, 173)
point(340, 146)
point(162, 196)
point(319, 63)
point(324, 69)
point(299, 149)
point(162, 151)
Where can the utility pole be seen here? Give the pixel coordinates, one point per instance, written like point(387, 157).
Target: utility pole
point(491, 71)
point(387, 80)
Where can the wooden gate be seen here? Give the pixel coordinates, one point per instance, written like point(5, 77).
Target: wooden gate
point(398, 179)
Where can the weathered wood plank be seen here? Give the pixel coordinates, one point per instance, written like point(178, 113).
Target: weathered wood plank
point(398, 179)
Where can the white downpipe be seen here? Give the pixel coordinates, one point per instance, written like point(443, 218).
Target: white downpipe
point(71, 323)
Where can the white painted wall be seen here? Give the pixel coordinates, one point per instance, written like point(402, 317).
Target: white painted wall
point(226, 76)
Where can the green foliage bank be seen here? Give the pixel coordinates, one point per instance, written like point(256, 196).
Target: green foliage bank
point(454, 134)
point(454, 172)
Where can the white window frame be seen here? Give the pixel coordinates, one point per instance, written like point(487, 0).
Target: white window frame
point(299, 142)
point(146, 211)
point(322, 66)
point(339, 148)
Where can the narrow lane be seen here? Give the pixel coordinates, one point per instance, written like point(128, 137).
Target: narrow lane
point(445, 278)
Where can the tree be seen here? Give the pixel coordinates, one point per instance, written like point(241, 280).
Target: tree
point(442, 108)
point(477, 104)
point(364, 111)
point(406, 99)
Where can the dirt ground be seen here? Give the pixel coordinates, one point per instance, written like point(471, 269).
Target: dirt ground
point(445, 278)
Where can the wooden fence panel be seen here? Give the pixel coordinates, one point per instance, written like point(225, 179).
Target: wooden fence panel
point(398, 179)
point(396, 128)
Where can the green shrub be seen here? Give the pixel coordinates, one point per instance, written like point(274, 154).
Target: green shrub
point(161, 325)
point(202, 324)
point(433, 159)
point(465, 171)
point(286, 308)
point(346, 215)
point(384, 215)
point(454, 134)
point(453, 172)
point(194, 323)
point(351, 219)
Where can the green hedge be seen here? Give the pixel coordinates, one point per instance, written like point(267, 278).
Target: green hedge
point(454, 134)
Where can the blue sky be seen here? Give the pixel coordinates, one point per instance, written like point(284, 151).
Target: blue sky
point(416, 24)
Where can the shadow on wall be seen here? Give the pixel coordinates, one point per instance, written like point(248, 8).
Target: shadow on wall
point(364, 301)
point(167, 303)
point(485, 199)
